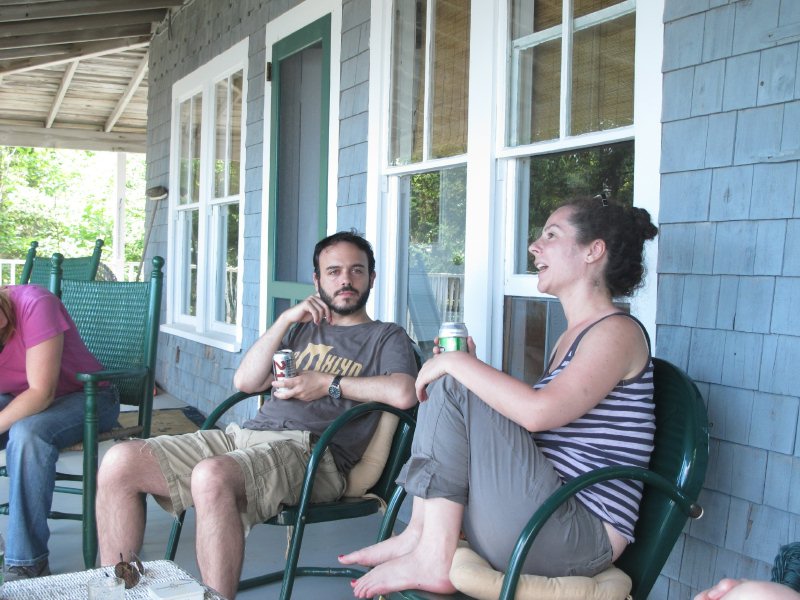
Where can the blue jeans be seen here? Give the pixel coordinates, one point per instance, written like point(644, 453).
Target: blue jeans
point(32, 445)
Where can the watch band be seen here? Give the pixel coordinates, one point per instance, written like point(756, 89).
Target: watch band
point(334, 390)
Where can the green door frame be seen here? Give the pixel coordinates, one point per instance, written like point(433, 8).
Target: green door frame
point(318, 32)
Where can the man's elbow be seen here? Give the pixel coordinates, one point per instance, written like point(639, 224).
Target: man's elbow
point(407, 396)
point(241, 383)
point(407, 401)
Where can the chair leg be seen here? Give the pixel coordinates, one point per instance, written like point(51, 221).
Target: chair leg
point(90, 476)
point(175, 536)
point(390, 516)
point(294, 552)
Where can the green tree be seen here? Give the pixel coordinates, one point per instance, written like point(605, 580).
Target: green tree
point(63, 199)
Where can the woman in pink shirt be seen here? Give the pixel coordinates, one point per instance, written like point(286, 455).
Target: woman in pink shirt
point(41, 412)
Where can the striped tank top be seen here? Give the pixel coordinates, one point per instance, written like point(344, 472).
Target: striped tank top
point(618, 431)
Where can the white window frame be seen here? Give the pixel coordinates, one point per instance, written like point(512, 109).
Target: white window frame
point(202, 327)
point(646, 134)
point(491, 193)
point(383, 201)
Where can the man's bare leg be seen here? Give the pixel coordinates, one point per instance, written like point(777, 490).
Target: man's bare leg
point(128, 472)
point(218, 491)
point(427, 566)
point(393, 547)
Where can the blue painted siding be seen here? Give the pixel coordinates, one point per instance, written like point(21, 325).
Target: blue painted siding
point(729, 273)
point(194, 372)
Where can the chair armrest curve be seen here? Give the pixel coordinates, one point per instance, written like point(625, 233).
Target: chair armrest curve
point(569, 489)
point(111, 374)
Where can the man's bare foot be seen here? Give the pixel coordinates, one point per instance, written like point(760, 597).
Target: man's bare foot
point(410, 571)
point(377, 554)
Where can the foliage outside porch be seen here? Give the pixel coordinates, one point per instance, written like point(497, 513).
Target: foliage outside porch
point(65, 200)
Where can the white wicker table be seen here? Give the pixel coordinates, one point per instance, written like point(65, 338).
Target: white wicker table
point(72, 586)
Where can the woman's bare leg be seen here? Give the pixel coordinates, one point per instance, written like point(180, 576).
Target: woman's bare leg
point(427, 565)
point(393, 547)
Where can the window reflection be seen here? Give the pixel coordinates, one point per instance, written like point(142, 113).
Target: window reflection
point(435, 260)
point(545, 182)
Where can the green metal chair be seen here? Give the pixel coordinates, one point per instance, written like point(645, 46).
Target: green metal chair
point(37, 269)
point(672, 485)
point(305, 512)
point(118, 321)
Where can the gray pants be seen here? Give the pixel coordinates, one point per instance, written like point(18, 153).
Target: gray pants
point(467, 452)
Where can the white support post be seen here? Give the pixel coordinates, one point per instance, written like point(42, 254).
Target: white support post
point(118, 255)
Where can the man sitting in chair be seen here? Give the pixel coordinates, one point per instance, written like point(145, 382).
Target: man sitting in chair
point(241, 477)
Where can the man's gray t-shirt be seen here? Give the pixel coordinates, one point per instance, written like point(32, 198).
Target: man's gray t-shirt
point(364, 350)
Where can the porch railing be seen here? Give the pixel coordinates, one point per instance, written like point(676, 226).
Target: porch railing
point(11, 269)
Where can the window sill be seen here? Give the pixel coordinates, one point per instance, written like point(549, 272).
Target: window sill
point(217, 340)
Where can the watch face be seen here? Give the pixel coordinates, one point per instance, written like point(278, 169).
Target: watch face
point(334, 391)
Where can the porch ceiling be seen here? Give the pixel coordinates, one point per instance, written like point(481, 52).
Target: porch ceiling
point(73, 73)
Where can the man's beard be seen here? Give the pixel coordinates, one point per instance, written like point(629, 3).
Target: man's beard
point(346, 310)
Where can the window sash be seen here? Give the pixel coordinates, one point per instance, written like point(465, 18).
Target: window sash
point(206, 231)
point(523, 55)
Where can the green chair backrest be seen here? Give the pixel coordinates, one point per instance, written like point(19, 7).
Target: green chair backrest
point(400, 450)
point(37, 269)
point(118, 321)
point(681, 456)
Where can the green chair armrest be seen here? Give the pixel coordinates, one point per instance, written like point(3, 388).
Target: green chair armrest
point(225, 405)
point(569, 489)
point(110, 375)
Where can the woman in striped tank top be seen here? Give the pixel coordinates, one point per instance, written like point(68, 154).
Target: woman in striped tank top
point(489, 449)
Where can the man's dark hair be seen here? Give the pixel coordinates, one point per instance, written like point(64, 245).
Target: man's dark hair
point(350, 237)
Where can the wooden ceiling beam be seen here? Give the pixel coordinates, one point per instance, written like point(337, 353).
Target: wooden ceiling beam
point(69, 72)
point(80, 51)
point(79, 139)
point(75, 8)
point(50, 26)
point(133, 85)
point(77, 35)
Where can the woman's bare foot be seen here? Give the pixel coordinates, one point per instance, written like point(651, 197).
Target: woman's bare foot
point(415, 570)
point(377, 554)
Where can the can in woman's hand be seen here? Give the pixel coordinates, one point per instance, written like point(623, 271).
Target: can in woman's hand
point(453, 337)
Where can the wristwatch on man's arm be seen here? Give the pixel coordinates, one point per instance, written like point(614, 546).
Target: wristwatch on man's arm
point(334, 391)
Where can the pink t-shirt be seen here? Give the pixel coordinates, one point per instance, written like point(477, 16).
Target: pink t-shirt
point(41, 316)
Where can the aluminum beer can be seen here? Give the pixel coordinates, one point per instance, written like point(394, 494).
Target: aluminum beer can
point(453, 336)
point(283, 364)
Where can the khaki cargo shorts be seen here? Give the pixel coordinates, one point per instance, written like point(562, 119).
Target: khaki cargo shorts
point(273, 464)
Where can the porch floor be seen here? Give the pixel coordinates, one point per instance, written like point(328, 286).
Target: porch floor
point(265, 550)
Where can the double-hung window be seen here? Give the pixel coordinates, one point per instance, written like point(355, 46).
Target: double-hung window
point(496, 114)
point(426, 163)
point(568, 133)
point(206, 191)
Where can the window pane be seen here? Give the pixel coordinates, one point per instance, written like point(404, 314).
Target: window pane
point(531, 328)
point(189, 151)
point(535, 113)
point(584, 7)
point(450, 78)
point(221, 140)
point(408, 82)
point(436, 238)
point(602, 76)
point(528, 325)
point(228, 114)
point(237, 101)
point(188, 223)
point(529, 17)
point(227, 264)
point(545, 182)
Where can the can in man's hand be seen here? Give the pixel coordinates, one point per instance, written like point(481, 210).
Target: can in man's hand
point(283, 364)
point(453, 336)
